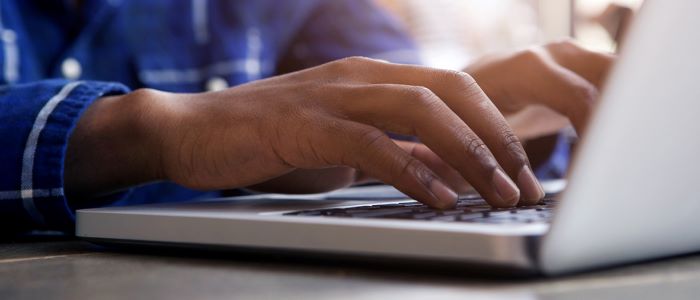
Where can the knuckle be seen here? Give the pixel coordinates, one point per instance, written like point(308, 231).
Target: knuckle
point(565, 43)
point(424, 97)
point(588, 93)
point(478, 153)
point(420, 92)
point(584, 97)
point(347, 65)
point(462, 83)
point(514, 147)
point(474, 145)
point(355, 61)
point(460, 78)
point(567, 48)
point(530, 55)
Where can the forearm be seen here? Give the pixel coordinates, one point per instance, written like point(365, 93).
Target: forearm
point(113, 146)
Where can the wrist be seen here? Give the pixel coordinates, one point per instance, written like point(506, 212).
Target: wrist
point(115, 145)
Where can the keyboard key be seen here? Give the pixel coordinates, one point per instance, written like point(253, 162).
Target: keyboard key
point(447, 218)
point(451, 212)
point(468, 209)
point(380, 212)
point(470, 217)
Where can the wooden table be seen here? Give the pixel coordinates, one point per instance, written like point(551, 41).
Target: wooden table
point(63, 268)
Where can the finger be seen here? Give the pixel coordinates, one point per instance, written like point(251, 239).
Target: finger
point(437, 164)
point(466, 99)
point(412, 110)
point(592, 66)
point(369, 150)
point(567, 93)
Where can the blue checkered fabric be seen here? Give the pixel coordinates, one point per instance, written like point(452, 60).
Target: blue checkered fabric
point(57, 58)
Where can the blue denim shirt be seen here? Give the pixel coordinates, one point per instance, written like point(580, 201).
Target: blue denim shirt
point(56, 59)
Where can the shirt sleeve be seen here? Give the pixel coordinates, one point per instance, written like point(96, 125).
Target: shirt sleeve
point(343, 28)
point(36, 120)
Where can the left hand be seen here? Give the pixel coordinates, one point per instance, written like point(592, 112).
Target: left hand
point(541, 89)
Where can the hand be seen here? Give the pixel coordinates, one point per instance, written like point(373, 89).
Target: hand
point(539, 88)
point(332, 115)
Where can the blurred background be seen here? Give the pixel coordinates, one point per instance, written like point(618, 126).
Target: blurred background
point(452, 33)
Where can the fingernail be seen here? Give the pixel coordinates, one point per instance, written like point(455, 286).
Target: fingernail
point(447, 197)
point(532, 190)
point(506, 188)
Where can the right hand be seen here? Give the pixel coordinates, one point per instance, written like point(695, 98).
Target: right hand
point(337, 115)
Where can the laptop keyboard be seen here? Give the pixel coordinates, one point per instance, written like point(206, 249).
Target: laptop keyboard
point(470, 209)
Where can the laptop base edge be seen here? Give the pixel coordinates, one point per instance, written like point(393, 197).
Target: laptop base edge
point(309, 258)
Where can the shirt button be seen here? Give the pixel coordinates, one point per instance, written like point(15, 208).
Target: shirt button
point(216, 84)
point(71, 68)
point(9, 36)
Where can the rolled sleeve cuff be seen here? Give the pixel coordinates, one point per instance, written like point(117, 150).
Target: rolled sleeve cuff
point(44, 200)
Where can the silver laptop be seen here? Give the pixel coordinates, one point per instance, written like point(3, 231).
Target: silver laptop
point(632, 194)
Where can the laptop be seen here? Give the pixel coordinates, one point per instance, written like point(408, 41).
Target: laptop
point(632, 194)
